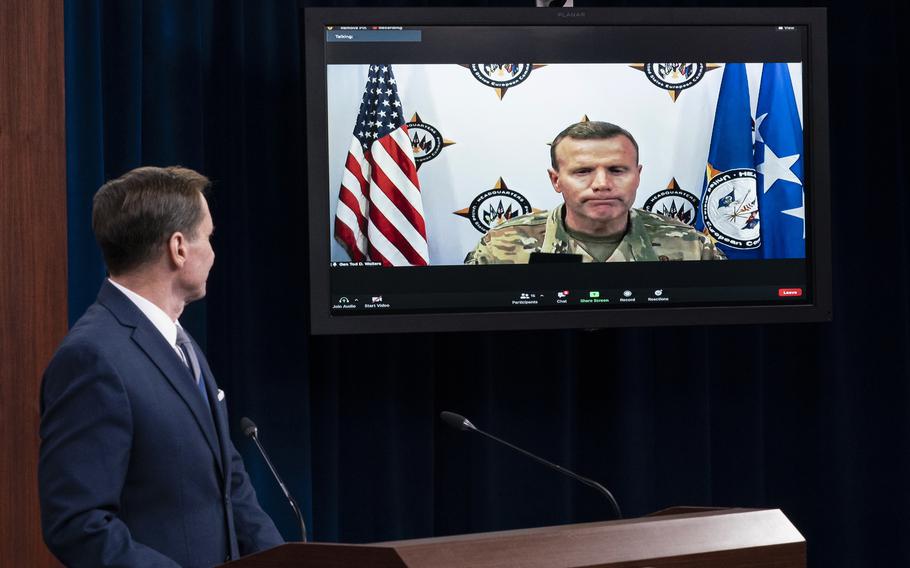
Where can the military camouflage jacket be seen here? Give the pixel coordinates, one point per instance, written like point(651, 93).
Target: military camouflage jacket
point(650, 237)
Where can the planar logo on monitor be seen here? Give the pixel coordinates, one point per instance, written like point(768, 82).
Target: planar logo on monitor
point(674, 203)
point(501, 76)
point(495, 206)
point(426, 140)
point(730, 208)
point(675, 77)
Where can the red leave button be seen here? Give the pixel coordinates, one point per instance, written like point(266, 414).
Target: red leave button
point(789, 292)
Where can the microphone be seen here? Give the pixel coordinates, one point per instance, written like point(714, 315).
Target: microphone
point(459, 422)
point(250, 430)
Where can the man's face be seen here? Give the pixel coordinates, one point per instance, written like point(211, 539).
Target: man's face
point(199, 256)
point(597, 179)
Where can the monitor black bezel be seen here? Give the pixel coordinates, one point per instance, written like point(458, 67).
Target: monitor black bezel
point(816, 137)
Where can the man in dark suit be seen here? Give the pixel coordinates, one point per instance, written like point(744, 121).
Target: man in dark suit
point(136, 464)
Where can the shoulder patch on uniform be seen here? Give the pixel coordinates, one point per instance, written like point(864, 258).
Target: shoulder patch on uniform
point(535, 218)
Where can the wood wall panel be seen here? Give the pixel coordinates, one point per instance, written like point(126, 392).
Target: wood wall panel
point(32, 255)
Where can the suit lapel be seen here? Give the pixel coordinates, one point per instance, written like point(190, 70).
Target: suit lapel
point(219, 413)
point(153, 344)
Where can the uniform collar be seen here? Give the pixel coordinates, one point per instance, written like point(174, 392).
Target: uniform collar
point(635, 244)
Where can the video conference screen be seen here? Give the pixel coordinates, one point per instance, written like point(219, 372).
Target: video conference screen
point(502, 170)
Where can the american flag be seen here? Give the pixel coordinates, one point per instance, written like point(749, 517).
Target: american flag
point(380, 210)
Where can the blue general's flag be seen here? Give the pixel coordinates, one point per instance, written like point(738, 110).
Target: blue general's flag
point(779, 162)
point(729, 208)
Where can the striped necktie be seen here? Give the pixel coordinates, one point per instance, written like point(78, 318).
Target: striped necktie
point(189, 355)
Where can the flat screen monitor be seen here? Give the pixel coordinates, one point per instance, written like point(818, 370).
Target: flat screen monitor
point(478, 169)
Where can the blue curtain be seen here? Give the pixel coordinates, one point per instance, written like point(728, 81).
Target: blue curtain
point(812, 419)
point(215, 86)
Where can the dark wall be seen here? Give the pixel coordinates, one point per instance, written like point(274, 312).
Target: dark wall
point(808, 418)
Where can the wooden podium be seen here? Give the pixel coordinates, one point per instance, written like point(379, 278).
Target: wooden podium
point(677, 538)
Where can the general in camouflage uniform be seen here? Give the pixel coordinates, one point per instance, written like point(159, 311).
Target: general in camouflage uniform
point(650, 237)
point(595, 167)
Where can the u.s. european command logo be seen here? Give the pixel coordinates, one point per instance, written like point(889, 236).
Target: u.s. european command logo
point(730, 208)
point(426, 140)
point(674, 203)
point(675, 77)
point(495, 206)
point(501, 76)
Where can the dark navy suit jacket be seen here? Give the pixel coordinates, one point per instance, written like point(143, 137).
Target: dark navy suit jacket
point(136, 467)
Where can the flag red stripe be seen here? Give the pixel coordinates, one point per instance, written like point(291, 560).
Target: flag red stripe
point(395, 238)
point(353, 165)
point(376, 256)
point(388, 187)
point(347, 197)
point(404, 160)
point(348, 240)
point(345, 234)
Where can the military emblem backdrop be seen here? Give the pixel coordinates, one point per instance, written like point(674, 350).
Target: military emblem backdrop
point(481, 145)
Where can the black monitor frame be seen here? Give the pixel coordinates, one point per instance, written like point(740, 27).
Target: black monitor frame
point(816, 135)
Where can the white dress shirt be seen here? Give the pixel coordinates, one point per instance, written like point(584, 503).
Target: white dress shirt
point(162, 322)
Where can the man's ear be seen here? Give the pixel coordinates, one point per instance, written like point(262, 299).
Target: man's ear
point(554, 179)
point(176, 249)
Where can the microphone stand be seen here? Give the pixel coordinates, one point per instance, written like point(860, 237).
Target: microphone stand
point(461, 423)
point(250, 430)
